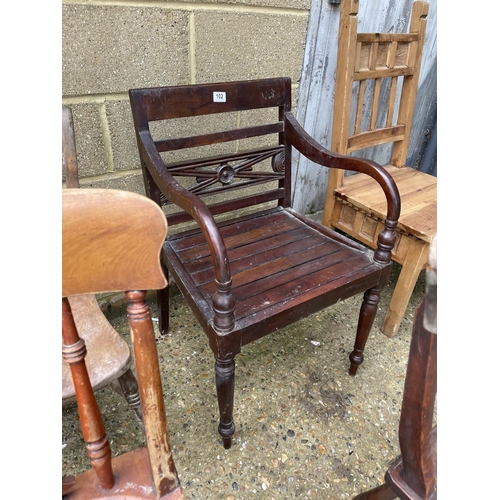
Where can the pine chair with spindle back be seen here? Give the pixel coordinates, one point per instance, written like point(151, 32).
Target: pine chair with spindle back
point(108, 355)
point(111, 242)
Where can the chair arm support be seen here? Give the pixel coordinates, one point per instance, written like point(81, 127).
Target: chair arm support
point(315, 152)
point(223, 299)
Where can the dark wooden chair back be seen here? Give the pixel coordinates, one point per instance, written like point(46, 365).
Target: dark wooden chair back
point(111, 242)
point(230, 118)
point(251, 264)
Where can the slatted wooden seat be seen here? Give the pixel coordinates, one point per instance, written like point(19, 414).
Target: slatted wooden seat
point(278, 264)
point(251, 265)
point(369, 65)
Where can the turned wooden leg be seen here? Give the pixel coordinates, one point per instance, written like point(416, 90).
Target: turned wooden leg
point(92, 424)
point(164, 476)
point(383, 492)
point(162, 297)
point(415, 259)
point(127, 386)
point(224, 380)
point(366, 318)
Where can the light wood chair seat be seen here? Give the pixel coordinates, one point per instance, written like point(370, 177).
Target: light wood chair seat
point(418, 192)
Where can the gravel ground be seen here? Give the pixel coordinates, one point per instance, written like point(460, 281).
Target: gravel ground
point(304, 427)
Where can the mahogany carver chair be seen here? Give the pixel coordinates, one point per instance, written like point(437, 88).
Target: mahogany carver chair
point(111, 242)
point(369, 64)
point(108, 358)
point(250, 265)
point(413, 475)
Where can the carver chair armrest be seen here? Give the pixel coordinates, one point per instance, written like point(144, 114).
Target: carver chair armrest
point(222, 299)
point(314, 151)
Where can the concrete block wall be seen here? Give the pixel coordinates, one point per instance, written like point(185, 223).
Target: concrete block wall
point(110, 47)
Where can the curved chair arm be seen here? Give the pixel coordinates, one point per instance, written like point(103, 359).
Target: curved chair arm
point(223, 299)
point(315, 152)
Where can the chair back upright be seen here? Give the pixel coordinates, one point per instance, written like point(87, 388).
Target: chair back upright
point(69, 149)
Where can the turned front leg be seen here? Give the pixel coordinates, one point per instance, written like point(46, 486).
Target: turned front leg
point(365, 323)
point(163, 471)
point(224, 381)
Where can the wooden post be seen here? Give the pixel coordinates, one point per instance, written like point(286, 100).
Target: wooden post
point(148, 377)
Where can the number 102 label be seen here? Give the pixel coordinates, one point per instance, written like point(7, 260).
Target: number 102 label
point(219, 97)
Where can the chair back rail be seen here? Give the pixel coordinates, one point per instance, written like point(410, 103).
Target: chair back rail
point(102, 257)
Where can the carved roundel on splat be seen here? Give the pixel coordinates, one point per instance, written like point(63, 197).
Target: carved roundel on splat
point(278, 164)
point(225, 173)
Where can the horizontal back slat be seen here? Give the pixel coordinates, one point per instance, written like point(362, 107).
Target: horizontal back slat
point(228, 206)
point(97, 255)
point(182, 101)
point(215, 160)
point(218, 137)
point(367, 74)
point(387, 37)
point(375, 137)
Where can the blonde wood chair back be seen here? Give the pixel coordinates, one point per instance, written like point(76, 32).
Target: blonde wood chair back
point(366, 63)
